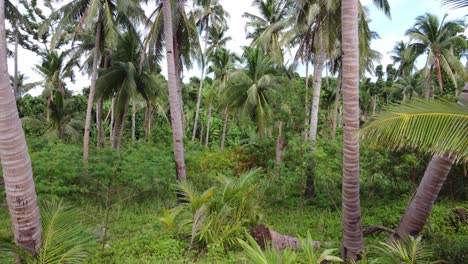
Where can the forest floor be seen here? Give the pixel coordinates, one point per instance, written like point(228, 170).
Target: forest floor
point(135, 234)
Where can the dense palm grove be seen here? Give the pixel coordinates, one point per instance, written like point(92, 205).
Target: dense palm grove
point(246, 163)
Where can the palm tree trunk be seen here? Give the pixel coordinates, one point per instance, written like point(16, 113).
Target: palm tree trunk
point(16, 163)
point(92, 89)
point(428, 83)
point(208, 122)
point(306, 101)
point(279, 148)
point(439, 76)
point(202, 127)
point(337, 105)
point(100, 127)
point(174, 101)
point(123, 124)
point(133, 120)
point(225, 119)
point(374, 104)
point(15, 80)
point(318, 66)
point(420, 207)
point(199, 95)
point(353, 242)
point(112, 121)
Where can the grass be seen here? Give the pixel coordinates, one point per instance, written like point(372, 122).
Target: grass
point(136, 236)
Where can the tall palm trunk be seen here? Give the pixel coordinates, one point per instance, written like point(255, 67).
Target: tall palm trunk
point(306, 101)
point(123, 125)
point(337, 105)
point(174, 101)
point(353, 242)
point(15, 78)
point(420, 207)
point(279, 148)
point(199, 95)
point(112, 121)
point(428, 83)
point(208, 123)
point(225, 119)
point(16, 163)
point(374, 104)
point(92, 90)
point(318, 66)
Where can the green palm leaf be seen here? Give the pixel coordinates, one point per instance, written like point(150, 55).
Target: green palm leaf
point(431, 126)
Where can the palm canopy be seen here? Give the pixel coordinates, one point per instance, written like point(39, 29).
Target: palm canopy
point(455, 3)
point(401, 54)
point(436, 127)
point(251, 87)
point(437, 39)
point(221, 64)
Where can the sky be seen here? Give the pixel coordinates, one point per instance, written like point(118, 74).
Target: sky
point(390, 31)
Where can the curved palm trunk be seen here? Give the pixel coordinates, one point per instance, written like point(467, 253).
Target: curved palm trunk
point(337, 105)
point(16, 163)
point(225, 119)
point(174, 100)
point(208, 123)
point(92, 89)
point(420, 207)
point(353, 242)
point(318, 66)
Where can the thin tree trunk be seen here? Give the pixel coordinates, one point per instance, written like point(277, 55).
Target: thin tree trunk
point(100, 128)
point(439, 76)
point(374, 104)
point(306, 109)
point(225, 119)
point(92, 89)
point(202, 127)
point(150, 120)
point(122, 126)
point(428, 83)
point(208, 122)
point(174, 101)
point(318, 66)
point(112, 121)
point(337, 105)
point(133, 120)
point(420, 207)
point(15, 80)
point(16, 163)
point(353, 243)
point(279, 148)
point(199, 95)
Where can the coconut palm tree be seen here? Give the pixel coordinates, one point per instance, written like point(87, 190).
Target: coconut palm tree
point(208, 14)
point(55, 68)
point(401, 55)
point(353, 242)
point(435, 40)
point(265, 29)
point(174, 101)
point(100, 16)
point(250, 87)
point(16, 163)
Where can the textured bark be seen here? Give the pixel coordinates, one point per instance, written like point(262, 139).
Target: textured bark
point(265, 236)
point(420, 207)
point(337, 105)
point(16, 163)
point(112, 120)
point(15, 78)
point(92, 90)
point(208, 123)
point(225, 119)
point(318, 66)
point(353, 242)
point(174, 100)
point(428, 83)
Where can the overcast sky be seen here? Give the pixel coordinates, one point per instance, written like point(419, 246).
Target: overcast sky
point(403, 13)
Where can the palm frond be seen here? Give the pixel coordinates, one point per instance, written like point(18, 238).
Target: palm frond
point(432, 126)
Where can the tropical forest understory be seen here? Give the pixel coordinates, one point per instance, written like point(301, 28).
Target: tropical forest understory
point(248, 162)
